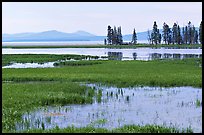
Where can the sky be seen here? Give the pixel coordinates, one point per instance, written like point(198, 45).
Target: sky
point(94, 17)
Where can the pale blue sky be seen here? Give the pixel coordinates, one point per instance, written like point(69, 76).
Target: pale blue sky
point(94, 17)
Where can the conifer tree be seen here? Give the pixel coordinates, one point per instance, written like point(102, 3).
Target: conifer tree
point(155, 34)
point(109, 35)
point(200, 33)
point(134, 37)
point(174, 33)
point(179, 38)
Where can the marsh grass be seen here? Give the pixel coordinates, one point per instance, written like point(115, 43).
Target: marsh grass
point(40, 58)
point(76, 63)
point(165, 73)
point(124, 129)
point(19, 98)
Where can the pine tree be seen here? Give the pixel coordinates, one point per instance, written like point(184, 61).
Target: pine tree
point(189, 31)
point(196, 37)
point(183, 33)
point(179, 38)
point(166, 33)
point(165, 30)
point(174, 33)
point(120, 37)
point(200, 33)
point(115, 37)
point(193, 35)
point(155, 34)
point(109, 35)
point(134, 37)
point(105, 41)
point(159, 37)
point(186, 35)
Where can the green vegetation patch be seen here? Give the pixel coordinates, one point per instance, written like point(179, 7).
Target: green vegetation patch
point(124, 129)
point(186, 72)
point(76, 63)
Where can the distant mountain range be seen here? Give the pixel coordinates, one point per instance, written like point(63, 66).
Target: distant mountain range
point(54, 35)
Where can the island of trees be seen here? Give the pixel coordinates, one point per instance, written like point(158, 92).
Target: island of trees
point(175, 35)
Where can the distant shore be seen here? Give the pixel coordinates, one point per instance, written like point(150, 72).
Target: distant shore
point(102, 46)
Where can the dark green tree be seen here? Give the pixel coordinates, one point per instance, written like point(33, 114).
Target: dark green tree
point(115, 36)
point(193, 35)
point(165, 34)
point(109, 35)
point(159, 37)
point(174, 33)
point(120, 37)
point(189, 31)
point(179, 37)
point(183, 33)
point(195, 39)
point(200, 33)
point(105, 41)
point(186, 35)
point(155, 34)
point(134, 37)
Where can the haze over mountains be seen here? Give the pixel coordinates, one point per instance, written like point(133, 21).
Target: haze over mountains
point(54, 35)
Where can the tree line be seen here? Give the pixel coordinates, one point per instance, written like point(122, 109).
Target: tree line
point(175, 35)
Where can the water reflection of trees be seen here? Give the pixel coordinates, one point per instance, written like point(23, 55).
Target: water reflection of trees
point(134, 56)
point(115, 55)
point(173, 56)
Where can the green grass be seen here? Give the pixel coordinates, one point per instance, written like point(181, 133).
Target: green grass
point(120, 73)
point(39, 58)
point(106, 46)
point(76, 63)
point(18, 98)
point(124, 129)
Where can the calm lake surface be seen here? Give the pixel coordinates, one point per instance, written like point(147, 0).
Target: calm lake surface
point(119, 54)
point(179, 107)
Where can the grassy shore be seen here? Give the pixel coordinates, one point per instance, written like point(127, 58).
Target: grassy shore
point(104, 46)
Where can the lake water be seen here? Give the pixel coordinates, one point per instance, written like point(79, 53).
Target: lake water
point(120, 54)
point(179, 107)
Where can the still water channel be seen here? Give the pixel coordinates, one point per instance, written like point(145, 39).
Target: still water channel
point(179, 107)
point(109, 54)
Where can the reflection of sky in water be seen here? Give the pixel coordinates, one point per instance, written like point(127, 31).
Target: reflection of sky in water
point(30, 65)
point(119, 106)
